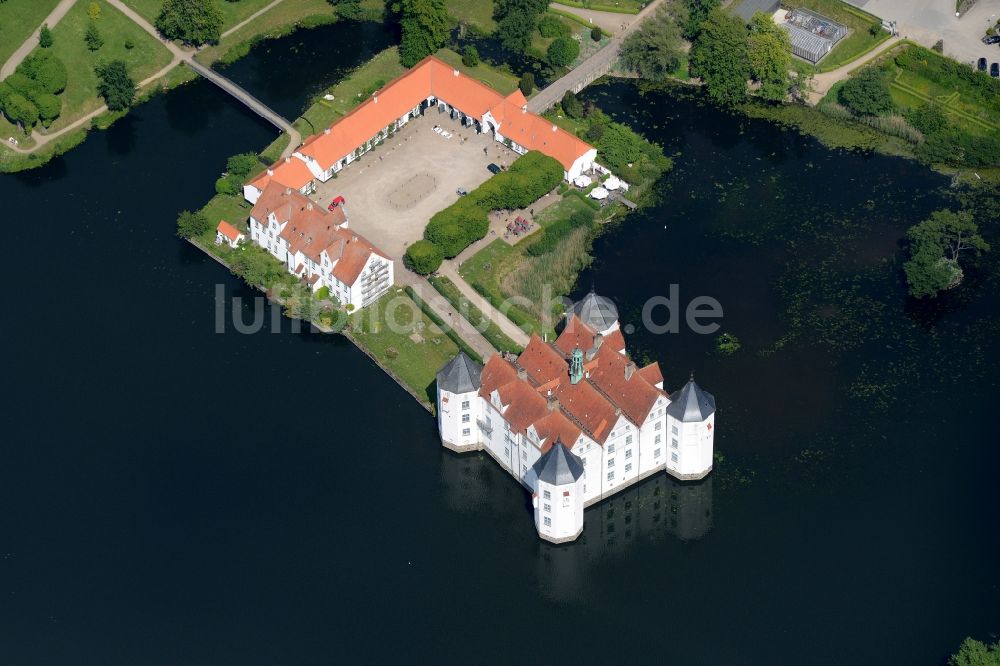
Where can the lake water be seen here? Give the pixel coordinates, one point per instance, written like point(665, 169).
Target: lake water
point(175, 494)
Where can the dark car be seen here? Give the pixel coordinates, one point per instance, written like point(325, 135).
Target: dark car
point(493, 168)
point(991, 39)
point(461, 191)
point(981, 65)
point(995, 70)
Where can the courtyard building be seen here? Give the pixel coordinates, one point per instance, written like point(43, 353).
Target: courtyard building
point(317, 246)
point(228, 234)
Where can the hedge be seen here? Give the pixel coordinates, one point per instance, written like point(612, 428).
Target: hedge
point(423, 257)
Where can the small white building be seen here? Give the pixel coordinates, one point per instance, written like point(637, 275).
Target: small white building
point(317, 246)
point(228, 234)
point(581, 393)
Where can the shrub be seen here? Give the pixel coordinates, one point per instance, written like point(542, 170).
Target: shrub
point(20, 110)
point(550, 26)
point(45, 39)
point(243, 164)
point(557, 231)
point(47, 70)
point(867, 93)
point(423, 257)
point(191, 224)
point(129, 44)
point(563, 51)
point(571, 106)
point(527, 83)
point(470, 56)
point(227, 185)
point(94, 10)
point(928, 118)
point(191, 21)
point(93, 38)
point(49, 107)
point(115, 85)
point(938, 46)
point(894, 126)
point(596, 34)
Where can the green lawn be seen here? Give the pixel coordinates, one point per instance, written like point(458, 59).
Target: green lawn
point(491, 76)
point(232, 209)
point(80, 97)
point(475, 12)
point(474, 315)
point(232, 12)
point(414, 362)
point(858, 41)
point(616, 6)
point(18, 19)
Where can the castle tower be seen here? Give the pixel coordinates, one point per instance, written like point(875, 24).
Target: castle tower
point(558, 498)
point(458, 406)
point(690, 432)
point(597, 312)
point(576, 366)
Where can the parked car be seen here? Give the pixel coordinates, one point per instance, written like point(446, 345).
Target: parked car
point(995, 70)
point(461, 192)
point(991, 39)
point(493, 168)
point(981, 65)
point(336, 202)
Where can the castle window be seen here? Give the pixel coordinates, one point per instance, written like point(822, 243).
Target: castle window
point(673, 443)
point(658, 439)
point(673, 429)
point(547, 508)
point(465, 432)
point(565, 501)
point(548, 522)
point(658, 425)
point(611, 447)
point(465, 418)
point(546, 495)
point(628, 440)
point(673, 457)
point(611, 476)
point(628, 453)
point(506, 453)
point(465, 404)
point(628, 468)
point(611, 463)
point(656, 453)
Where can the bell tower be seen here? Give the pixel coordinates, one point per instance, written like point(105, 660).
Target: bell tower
point(576, 366)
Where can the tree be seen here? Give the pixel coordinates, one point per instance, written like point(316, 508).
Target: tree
point(191, 224)
point(867, 93)
point(563, 51)
point(21, 111)
point(527, 83)
point(193, 22)
point(94, 10)
point(655, 50)
point(49, 107)
point(423, 257)
point(697, 12)
point(935, 247)
point(769, 51)
point(115, 85)
point(517, 21)
point(549, 26)
point(93, 38)
point(425, 29)
point(596, 34)
point(47, 70)
point(470, 56)
point(719, 56)
point(45, 39)
point(571, 106)
point(242, 165)
point(976, 653)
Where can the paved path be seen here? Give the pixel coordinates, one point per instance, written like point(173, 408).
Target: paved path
point(248, 19)
point(613, 22)
point(449, 269)
point(31, 42)
point(822, 83)
point(429, 295)
point(590, 69)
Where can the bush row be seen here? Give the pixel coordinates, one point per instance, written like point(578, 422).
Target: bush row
point(29, 95)
point(555, 232)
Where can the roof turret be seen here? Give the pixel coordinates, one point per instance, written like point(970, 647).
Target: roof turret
point(597, 312)
point(460, 375)
point(558, 466)
point(691, 404)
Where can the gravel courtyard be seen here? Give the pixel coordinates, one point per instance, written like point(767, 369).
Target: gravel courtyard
point(394, 190)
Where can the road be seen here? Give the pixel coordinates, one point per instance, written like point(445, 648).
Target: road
point(927, 21)
point(31, 42)
point(510, 329)
point(612, 22)
point(451, 317)
point(590, 69)
point(821, 83)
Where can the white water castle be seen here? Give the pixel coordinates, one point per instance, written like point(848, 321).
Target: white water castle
point(575, 421)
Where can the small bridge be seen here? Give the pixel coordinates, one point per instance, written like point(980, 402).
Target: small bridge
point(246, 98)
point(589, 70)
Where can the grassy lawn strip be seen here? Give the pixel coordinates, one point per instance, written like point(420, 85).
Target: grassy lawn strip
point(474, 315)
point(614, 6)
point(145, 58)
point(474, 12)
point(232, 12)
point(449, 331)
point(281, 20)
point(18, 19)
point(576, 19)
point(858, 41)
point(501, 81)
point(414, 363)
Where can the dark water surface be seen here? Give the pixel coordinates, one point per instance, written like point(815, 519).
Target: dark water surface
point(171, 494)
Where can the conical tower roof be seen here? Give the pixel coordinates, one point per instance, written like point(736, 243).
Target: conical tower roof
point(597, 312)
point(691, 404)
point(460, 375)
point(558, 466)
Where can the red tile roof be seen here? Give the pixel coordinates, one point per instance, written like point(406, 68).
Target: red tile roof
point(432, 77)
point(578, 334)
point(290, 172)
point(228, 230)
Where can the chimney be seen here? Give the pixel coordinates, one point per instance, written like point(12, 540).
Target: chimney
point(288, 191)
point(522, 374)
point(376, 98)
point(553, 402)
point(629, 370)
point(555, 128)
point(326, 131)
point(270, 172)
point(455, 72)
point(309, 206)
